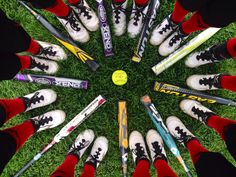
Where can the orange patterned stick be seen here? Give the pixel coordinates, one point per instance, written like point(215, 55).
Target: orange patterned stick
point(123, 135)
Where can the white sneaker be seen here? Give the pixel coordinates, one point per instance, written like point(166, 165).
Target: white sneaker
point(204, 82)
point(178, 130)
point(172, 43)
point(74, 27)
point(98, 151)
point(119, 17)
point(86, 14)
point(47, 66)
point(39, 98)
point(196, 110)
point(136, 19)
point(48, 120)
point(51, 51)
point(81, 143)
point(137, 147)
point(155, 145)
point(162, 31)
point(201, 58)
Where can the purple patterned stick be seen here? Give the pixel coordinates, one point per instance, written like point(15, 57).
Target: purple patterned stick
point(51, 80)
point(105, 29)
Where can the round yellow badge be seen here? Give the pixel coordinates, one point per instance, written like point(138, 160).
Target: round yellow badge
point(119, 77)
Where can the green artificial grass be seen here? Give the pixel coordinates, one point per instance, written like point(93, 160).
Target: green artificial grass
point(104, 120)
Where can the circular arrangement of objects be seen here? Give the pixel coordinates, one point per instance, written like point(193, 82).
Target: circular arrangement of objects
point(172, 35)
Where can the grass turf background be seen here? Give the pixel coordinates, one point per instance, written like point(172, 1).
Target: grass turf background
point(104, 120)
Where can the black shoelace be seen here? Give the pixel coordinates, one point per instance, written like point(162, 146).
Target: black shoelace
point(84, 10)
point(178, 37)
point(117, 11)
point(75, 149)
point(43, 120)
point(207, 55)
point(139, 152)
point(168, 26)
point(184, 138)
point(211, 81)
point(94, 159)
point(33, 100)
point(47, 51)
point(73, 21)
point(202, 116)
point(138, 15)
point(81, 145)
point(41, 66)
point(157, 150)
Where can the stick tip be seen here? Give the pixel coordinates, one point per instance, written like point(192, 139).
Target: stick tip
point(145, 99)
